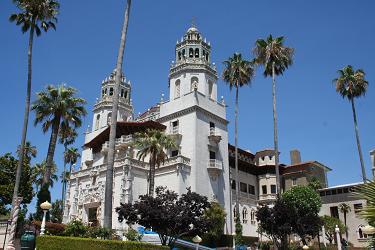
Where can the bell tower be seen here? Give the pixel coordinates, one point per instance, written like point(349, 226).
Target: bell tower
point(103, 106)
point(192, 68)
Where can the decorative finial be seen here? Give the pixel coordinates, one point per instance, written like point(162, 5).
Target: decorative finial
point(193, 22)
point(162, 98)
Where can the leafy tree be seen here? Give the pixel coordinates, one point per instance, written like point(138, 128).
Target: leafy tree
point(352, 84)
point(345, 209)
point(30, 151)
point(56, 107)
point(275, 58)
point(112, 133)
point(34, 15)
point(7, 179)
point(43, 195)
point(167, 214)
point(330, 226)
point(238, 72)
point(314, 183)
point(39, 171)
point(277, 222)
point(56, 211)
point(215, 215)
point(153, 143)
point(306, 204)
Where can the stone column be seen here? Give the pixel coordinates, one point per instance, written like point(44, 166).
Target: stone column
point(13, 226)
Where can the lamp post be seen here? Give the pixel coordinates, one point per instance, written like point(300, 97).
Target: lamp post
point(197, 240)
point(45, 206)
point(337, 230)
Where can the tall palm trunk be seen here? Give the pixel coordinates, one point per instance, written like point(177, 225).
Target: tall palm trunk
point(26, 115)
point(236, 153)
point(112, 134)
point(346, 229)
point(151, 186)
point(51, 151)
point(64, 181)
point(358, 142)
point(275, 138)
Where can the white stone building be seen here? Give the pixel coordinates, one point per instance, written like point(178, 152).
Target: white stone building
point(204, 160)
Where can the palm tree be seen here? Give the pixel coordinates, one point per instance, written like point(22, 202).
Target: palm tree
point(56, 107)
point(107, 223)
point(67, 137)
point(345, 209)
point(71, 156)
point(30, 151)
point(352, 84)
point(237, 73)
point(367, 192)
point(39, 171)
point(275, 58)
point(34, 16)
point(153, 143)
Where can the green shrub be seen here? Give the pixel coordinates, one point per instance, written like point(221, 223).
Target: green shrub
point(75, 228)
point(98, 232)
point(133, 235)
point(69, 243)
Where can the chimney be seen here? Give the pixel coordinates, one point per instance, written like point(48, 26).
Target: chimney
point(372, 155)
point(295, 156)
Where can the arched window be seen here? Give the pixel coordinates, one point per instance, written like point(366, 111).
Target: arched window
point(244, 215)
point(110, 91)
point(97, 121)
point(234, 213)
point(207, 59)
point(179, 55)
point(252, 215)
point(109, 116)
point(191, 52)
point(126, 95)
point(122, 92)
point(196, 53)
point(105, 91)
point(177, 89)
point(194, 83)
point(183, 53)
point(102, 92)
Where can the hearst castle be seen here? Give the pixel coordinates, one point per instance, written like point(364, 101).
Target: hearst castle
point(204, 160)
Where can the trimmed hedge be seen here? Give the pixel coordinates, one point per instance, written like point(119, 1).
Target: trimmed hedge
point(69, 243)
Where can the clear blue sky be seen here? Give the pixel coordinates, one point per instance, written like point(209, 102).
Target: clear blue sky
point(326, 35)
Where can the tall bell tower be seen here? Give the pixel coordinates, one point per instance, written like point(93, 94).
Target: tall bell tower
point(103, 106)
point(197, 120)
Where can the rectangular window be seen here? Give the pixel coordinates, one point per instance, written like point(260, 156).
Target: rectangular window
point(212, 155)
point(251, 189)
point(175, 124)
point(233, 184)
point(174, 153)
point(212, 125)
point(322, 193)
point(339, 191)
point(273, 189)
point(334, 191)
point(357, 208)
point(334, 212)
point(264, 189)
point(294, 182)
point(243, 187)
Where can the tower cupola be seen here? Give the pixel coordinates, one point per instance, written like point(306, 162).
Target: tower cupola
point(192, 68)
point(103, 106)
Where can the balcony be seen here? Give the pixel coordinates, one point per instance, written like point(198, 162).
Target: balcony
point(267, 197)
point(124, 141)
point(175, 132)
point(215, 167)
point(214, 136)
